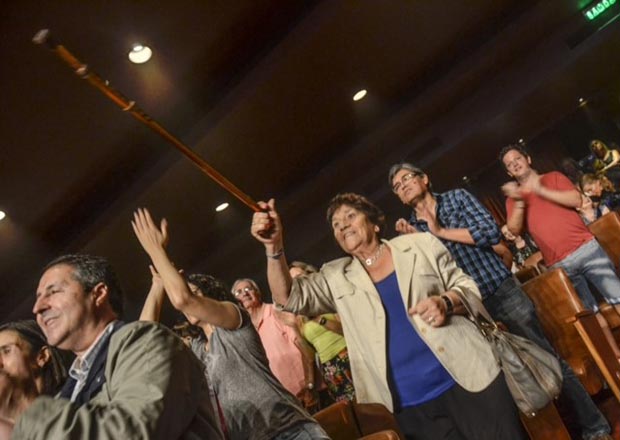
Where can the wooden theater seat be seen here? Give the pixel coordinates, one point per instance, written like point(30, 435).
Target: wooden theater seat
point(338, 421)
point(373, 417)
point(352, 421)
point(382, 435)
point(535, 259)
point(606, 229)
point(573, 331)
point(547, 424)
point(527, 273)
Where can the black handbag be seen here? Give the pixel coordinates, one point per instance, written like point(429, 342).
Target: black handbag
point(533, 375)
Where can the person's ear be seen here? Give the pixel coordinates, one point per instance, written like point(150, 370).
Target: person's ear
point(43, 357)
point(100, 294)
point(377, 229)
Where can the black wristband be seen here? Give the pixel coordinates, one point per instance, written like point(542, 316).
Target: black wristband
point(449, 304)
point(276, 255)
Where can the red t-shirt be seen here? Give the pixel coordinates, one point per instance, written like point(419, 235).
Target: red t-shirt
point(557, 230)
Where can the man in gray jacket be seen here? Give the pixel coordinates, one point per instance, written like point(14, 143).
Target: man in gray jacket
point(127, 381)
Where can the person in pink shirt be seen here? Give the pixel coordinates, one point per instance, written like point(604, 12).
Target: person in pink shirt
point(290, 358)
point(545, 205)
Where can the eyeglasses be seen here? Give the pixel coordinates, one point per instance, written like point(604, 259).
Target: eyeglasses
point(244, 290)
point(403, 180)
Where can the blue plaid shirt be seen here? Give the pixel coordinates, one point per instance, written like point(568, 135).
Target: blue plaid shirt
point(459, 209)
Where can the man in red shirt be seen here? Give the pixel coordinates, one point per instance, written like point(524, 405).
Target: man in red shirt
point(545, 205)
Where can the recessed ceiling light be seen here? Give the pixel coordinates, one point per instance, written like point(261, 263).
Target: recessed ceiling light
point(140, 54)
point(359, 95)
point(2, 215)
point(221, 207)
point(582, 101)
point(521, 141)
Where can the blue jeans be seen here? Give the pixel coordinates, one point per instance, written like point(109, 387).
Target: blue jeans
point(510, 305)
point(303, 431)
point(590, 263)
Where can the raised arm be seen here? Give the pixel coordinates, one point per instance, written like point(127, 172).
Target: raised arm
point(565, 195)
point(267, 228)
point(151, 310)
point(479, 228)
point(615, 160)
point(515, 207)
point(153, 239)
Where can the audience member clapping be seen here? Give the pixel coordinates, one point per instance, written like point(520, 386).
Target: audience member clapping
point(254, 403)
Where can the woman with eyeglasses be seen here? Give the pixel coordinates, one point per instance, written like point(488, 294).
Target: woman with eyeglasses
point(401, 305)
point(254, 403)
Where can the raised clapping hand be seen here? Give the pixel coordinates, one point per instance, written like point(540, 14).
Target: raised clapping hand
point(432, 310)
point(430, 217)
point(402, 226)
point(532, 185)
point(266, 226)
point(512, 190)
point(149, 235)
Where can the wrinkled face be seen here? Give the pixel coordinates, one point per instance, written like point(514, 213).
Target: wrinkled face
point(63, 309)
point(593, 188)
point(409, 186)
point(247, 294)
point(507, 234)
point(16, 357)
point(517, 165)
point(352, 229)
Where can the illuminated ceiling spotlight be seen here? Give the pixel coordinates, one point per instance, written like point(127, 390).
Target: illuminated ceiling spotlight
point(2, 215)
point(582, 101)
point(140, 54)
point(521, 141)
point(360, 95)
point(221, 207)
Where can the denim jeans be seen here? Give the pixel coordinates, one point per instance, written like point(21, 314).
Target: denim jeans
point(510, 305)
point(303, 431)
point(590, 263)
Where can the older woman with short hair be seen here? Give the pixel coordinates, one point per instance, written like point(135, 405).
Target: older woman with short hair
point(400, 302)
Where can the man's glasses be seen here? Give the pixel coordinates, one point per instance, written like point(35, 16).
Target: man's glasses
point(244, 290)
point(403, 180)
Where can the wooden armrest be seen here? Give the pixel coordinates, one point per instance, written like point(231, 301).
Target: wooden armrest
point(579, 315)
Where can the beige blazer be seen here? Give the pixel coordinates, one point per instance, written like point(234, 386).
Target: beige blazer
point(424, 267)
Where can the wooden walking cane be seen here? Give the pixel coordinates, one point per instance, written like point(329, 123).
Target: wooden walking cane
point(82, 70)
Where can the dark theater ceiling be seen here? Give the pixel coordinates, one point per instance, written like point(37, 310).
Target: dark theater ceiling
point(262, 89)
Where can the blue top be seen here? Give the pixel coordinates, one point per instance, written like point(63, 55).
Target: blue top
point(416, 374)
point(459, 209)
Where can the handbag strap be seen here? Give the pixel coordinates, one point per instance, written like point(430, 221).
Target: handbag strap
point(479, 315)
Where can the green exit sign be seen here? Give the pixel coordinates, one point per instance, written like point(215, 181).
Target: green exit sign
point(597, 8)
